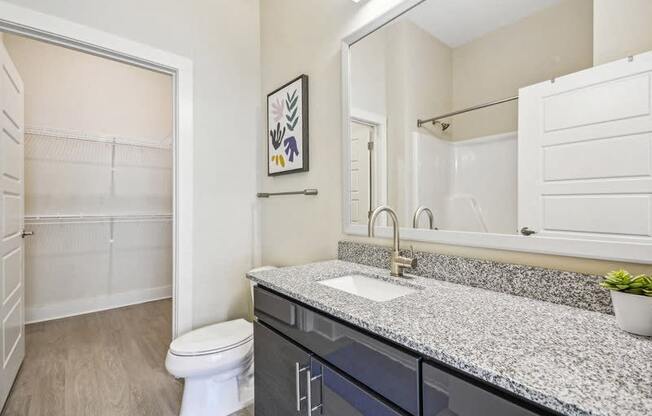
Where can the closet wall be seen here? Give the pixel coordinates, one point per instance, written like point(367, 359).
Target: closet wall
point(98, 169)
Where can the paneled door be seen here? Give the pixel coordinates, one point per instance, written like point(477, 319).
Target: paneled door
point(585, 154)
point(11, 222)
point(362, 136)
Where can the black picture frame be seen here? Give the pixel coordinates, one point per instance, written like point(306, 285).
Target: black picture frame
point(305, 130)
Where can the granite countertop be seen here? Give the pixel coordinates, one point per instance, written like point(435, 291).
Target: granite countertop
point(573, 361)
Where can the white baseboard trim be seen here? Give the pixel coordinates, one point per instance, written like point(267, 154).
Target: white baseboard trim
point(95, 304)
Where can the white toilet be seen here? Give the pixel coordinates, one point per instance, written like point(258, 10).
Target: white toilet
point(216, 362)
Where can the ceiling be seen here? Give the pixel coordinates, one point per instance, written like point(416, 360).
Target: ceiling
point(456, 22)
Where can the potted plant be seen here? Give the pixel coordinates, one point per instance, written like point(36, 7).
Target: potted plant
point(632, 301)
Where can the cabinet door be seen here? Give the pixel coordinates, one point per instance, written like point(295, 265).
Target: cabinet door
point(280, 374)
point(331, 394)
point(447, 395)
point(389, 372)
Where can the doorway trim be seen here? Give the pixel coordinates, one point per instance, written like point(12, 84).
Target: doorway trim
point(29, 23)
point(379, 168)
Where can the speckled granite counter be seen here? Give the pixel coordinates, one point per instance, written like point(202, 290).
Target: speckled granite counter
point(571, 360)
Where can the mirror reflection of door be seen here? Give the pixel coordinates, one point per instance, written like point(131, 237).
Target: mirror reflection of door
point(362, 143)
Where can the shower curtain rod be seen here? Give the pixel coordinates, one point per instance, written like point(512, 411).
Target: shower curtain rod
point(466, 110)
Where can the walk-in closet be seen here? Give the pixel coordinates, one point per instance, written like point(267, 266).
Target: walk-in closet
point(98, 181)
point(90, 140)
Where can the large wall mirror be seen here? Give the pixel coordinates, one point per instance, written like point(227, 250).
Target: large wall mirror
point(447, 110)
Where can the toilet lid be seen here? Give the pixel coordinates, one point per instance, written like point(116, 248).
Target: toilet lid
point(213, 338)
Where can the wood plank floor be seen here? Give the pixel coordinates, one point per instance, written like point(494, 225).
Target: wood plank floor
point(109, 363)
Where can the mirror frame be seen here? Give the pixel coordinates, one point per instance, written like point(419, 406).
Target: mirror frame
point(574, 247)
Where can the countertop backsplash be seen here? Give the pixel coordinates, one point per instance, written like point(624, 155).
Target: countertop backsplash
point(562, 287)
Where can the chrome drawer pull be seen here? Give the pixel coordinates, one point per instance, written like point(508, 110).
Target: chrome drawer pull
point(297, 381)
point(309, 380)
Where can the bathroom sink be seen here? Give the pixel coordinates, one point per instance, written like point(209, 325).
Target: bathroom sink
point(368, 287)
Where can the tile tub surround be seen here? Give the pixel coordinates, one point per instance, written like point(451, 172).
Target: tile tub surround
point(556, 286)
point(571, 360)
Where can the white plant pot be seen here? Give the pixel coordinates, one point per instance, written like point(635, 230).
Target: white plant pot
point(633, 312)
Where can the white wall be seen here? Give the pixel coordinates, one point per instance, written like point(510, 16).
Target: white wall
point(368, 74)
point(621, 28)
point(300, 229)
point(222, 39)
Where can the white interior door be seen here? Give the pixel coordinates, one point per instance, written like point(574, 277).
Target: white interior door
point(11, 222)
point(361, 136)
point(585, 154)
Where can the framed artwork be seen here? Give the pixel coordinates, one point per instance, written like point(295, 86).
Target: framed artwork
point(287, 128)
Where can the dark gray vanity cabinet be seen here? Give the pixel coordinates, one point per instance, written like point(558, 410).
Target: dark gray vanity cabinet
point(383, 369)
point(289, 382)
point(280, 370)
point(309, 364)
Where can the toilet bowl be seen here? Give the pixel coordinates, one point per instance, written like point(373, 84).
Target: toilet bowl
point(211, 360)
point(216, 362)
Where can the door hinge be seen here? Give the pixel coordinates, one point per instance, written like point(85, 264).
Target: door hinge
point(370, 145)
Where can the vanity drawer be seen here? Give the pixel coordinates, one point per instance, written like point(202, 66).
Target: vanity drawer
point(447, 394)
point(384, 369)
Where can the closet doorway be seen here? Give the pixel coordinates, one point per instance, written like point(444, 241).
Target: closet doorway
point(98, 181)
point(91, 146)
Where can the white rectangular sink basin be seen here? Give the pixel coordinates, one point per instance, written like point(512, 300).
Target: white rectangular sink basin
point(368, 287)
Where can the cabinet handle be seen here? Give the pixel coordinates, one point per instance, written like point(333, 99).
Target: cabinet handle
point(297, 381)
point(309, 380)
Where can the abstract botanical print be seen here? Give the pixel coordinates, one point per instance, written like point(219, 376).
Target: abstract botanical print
point(287, 132)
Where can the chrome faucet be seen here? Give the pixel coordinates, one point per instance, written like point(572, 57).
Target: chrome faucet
point(397, 263)
point(417, 214)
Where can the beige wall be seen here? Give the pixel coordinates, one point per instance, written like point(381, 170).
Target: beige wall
point(419, 83)
point(621, 28)
point(74, 91)
point(299, 229)
point(368, 74)
point(222, 39)
point(553, 42)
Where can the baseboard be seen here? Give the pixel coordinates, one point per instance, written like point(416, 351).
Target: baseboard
point(95, 304)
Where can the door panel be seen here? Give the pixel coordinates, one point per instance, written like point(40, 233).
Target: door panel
point(585, 154)
point(279, 374)
point(12, 271)
point(334, 395)
point(610, 100)
point(11, 221)
point(361, 135)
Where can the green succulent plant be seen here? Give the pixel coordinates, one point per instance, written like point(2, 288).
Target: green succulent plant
point(623, 281)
